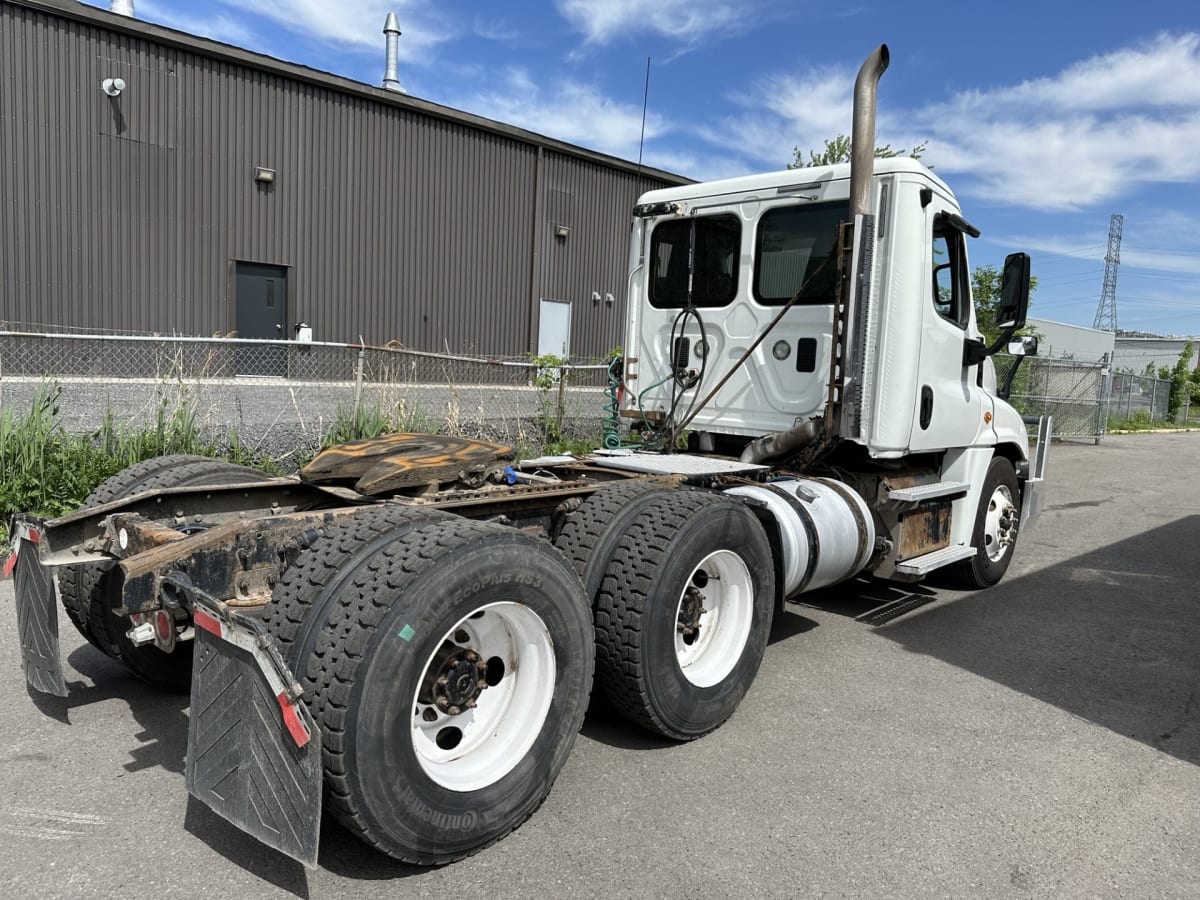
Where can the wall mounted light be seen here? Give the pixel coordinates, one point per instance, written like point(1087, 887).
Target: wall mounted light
point(113, 86)
point(595, 296)
point(610, 299)
point(263, 175)
point(561, 231)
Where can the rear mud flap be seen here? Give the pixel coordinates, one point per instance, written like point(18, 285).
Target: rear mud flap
point(254, 752)
point(37, 615)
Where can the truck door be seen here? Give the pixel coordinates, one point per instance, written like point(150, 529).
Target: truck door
point(950, 404)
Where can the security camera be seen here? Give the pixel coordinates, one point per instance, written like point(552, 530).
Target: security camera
point(113, 86)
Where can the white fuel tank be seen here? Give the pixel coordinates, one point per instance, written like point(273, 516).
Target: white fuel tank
point(825, 528)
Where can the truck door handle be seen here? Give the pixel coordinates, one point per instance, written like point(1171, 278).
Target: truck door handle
point(926, 406)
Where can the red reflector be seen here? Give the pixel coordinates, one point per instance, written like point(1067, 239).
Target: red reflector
point(10, 563)
point(163, 624)
point(203, 620)
point(35, 535)
point(291, 719)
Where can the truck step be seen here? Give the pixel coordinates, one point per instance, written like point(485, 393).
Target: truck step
point(928, 491)
point(923, 565)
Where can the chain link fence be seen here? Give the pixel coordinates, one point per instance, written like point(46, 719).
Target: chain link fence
point(1087, 399)
point(281, 397)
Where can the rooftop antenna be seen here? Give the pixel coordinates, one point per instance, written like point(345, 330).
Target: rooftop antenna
point(391, 28)
point(645, 102)
point(1106, 310)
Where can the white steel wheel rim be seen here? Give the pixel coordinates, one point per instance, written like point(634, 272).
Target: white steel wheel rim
point(473, 748)
point(724, 581)
point(997, 536)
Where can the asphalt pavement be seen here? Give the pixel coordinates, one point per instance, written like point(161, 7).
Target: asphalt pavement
point(1039, 739)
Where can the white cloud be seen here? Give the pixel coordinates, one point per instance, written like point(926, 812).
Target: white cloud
point(701, 166)
point(219, 27)
point(1099, 129)
point(1161, 72)
point(356, 25)
point(573, 111)
point(687, 21)
point(1068, 161)
point(494, 30)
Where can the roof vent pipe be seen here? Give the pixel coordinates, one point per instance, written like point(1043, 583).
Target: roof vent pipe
point(391, 27)
point(862, 137)
point(121, 7)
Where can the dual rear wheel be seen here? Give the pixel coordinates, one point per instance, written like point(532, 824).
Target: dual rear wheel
point(682, 585)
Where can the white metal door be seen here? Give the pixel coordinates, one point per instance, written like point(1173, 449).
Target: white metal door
point(554, 328)
point(950, 404)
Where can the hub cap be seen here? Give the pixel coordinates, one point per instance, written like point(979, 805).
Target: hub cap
point(483, 697)
point(1000, 524)
point(712, 621)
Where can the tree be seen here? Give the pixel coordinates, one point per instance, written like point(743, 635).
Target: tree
point(985, 291)
point(838, 150)
point(1180, 376)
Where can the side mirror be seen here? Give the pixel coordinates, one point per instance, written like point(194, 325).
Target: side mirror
point(1024, 346)
point(1014, 292)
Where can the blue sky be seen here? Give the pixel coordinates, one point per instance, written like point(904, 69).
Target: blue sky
point(1045, 118)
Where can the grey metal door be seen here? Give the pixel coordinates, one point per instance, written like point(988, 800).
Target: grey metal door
point(261, 300)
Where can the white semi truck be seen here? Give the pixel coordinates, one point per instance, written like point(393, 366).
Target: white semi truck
point(408, 632)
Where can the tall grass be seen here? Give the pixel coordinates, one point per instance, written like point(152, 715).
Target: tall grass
point(48, 471)
point(369, 420)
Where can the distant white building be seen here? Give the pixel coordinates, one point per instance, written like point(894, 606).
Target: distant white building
point(1058, 340)
point(1131, 354)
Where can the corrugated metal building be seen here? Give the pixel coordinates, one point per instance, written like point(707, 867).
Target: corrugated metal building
point(1060, 340)
point(384, 215)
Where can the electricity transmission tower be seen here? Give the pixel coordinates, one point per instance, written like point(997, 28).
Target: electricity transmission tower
point(1106, 311)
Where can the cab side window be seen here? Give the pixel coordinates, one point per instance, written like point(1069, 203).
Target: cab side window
point(951, 295)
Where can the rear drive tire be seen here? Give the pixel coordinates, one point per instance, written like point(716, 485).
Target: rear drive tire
point(311, 587)
point(457, 613)
point(683, 614)
point(76, 583)
point(995, 533)
point(94, 590)
point(591, 533)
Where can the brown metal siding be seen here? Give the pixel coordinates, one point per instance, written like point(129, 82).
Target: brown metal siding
point(127, 214)
point(596, 204)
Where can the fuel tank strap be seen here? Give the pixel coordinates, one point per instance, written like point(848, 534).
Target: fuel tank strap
point(810, 531)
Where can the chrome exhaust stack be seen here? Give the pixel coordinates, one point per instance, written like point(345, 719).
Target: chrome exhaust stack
point(862, 136)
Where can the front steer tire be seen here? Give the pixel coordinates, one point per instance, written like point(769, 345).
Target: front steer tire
point(995, 534)
point(693, 551)
point(430, 784)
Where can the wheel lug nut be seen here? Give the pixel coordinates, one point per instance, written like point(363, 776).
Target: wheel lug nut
point(471, 704)
point(453, 711)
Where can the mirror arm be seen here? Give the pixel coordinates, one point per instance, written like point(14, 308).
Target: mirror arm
point(1005, 388)
point(976, 351)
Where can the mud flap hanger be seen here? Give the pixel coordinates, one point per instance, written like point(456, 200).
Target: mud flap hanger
point(254, 750)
